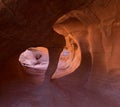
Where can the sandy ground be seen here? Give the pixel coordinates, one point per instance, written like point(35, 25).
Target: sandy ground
point(69, 91)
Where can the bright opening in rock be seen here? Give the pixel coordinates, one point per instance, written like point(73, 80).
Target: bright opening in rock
point(35, 60)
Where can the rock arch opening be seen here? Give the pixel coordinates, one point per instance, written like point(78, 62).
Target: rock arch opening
point(35, 60)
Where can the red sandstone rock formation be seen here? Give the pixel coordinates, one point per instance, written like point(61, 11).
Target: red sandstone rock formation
point(94, 24)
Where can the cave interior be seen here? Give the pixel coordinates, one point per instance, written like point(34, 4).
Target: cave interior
point(58, 53)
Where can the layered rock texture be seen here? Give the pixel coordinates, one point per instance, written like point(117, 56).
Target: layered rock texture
point(82, 38)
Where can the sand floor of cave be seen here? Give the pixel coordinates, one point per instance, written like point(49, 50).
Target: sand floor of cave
point(68, 91)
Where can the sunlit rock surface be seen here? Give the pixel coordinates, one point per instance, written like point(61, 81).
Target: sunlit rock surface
point(70, 58)
point(35, 58)
point(98, 28)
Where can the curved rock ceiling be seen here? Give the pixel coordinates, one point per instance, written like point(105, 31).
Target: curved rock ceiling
point(21, 28)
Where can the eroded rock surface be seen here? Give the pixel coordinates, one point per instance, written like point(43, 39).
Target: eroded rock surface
point(70, 58)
